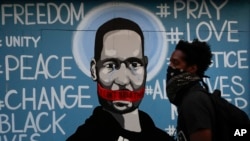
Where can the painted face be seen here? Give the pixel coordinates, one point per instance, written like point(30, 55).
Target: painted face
point(122, 67)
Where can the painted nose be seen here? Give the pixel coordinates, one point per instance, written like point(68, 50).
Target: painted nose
point(122, 78)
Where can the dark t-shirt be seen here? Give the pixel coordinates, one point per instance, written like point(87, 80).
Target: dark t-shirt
point(103, 126)
point(194, 113)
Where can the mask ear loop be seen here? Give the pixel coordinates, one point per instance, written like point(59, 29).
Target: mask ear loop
point(203, 83)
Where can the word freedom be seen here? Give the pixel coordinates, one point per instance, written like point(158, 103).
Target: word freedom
point(41, 13)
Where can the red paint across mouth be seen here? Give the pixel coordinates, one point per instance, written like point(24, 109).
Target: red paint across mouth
point(126, 95)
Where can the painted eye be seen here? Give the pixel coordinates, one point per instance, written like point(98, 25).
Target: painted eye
point(134, 64)
point(110, 65)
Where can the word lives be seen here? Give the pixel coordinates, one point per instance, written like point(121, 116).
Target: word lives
point(232, 89)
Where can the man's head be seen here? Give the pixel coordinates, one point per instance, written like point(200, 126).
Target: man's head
point(188, 64)
point(192, 57)
point(119, 65)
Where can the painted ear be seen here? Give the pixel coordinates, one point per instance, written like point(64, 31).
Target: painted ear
point(146, 60)
point(93, 69)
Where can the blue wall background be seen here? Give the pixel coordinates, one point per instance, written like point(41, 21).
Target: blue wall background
point(45, 48)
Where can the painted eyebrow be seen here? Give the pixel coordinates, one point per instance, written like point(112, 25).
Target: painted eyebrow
point(109, 60)
point(131, 59)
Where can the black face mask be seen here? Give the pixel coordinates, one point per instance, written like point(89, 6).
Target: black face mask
point(171, 72)
point(177, 81)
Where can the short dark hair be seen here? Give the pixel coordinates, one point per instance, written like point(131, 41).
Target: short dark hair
point(115, 24)
point(196, 53)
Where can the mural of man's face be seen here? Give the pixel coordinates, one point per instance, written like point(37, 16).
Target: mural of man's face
point(122, 67)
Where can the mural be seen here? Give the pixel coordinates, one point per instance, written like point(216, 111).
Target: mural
point(49, 87)
point(119, 68)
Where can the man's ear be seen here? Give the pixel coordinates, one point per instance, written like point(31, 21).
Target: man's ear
point(193, 69)
point(93, 69)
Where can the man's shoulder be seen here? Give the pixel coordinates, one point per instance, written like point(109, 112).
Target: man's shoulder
point(196, 97)
point(196, 92)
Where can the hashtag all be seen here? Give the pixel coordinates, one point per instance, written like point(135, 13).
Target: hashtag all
point(149, 90)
